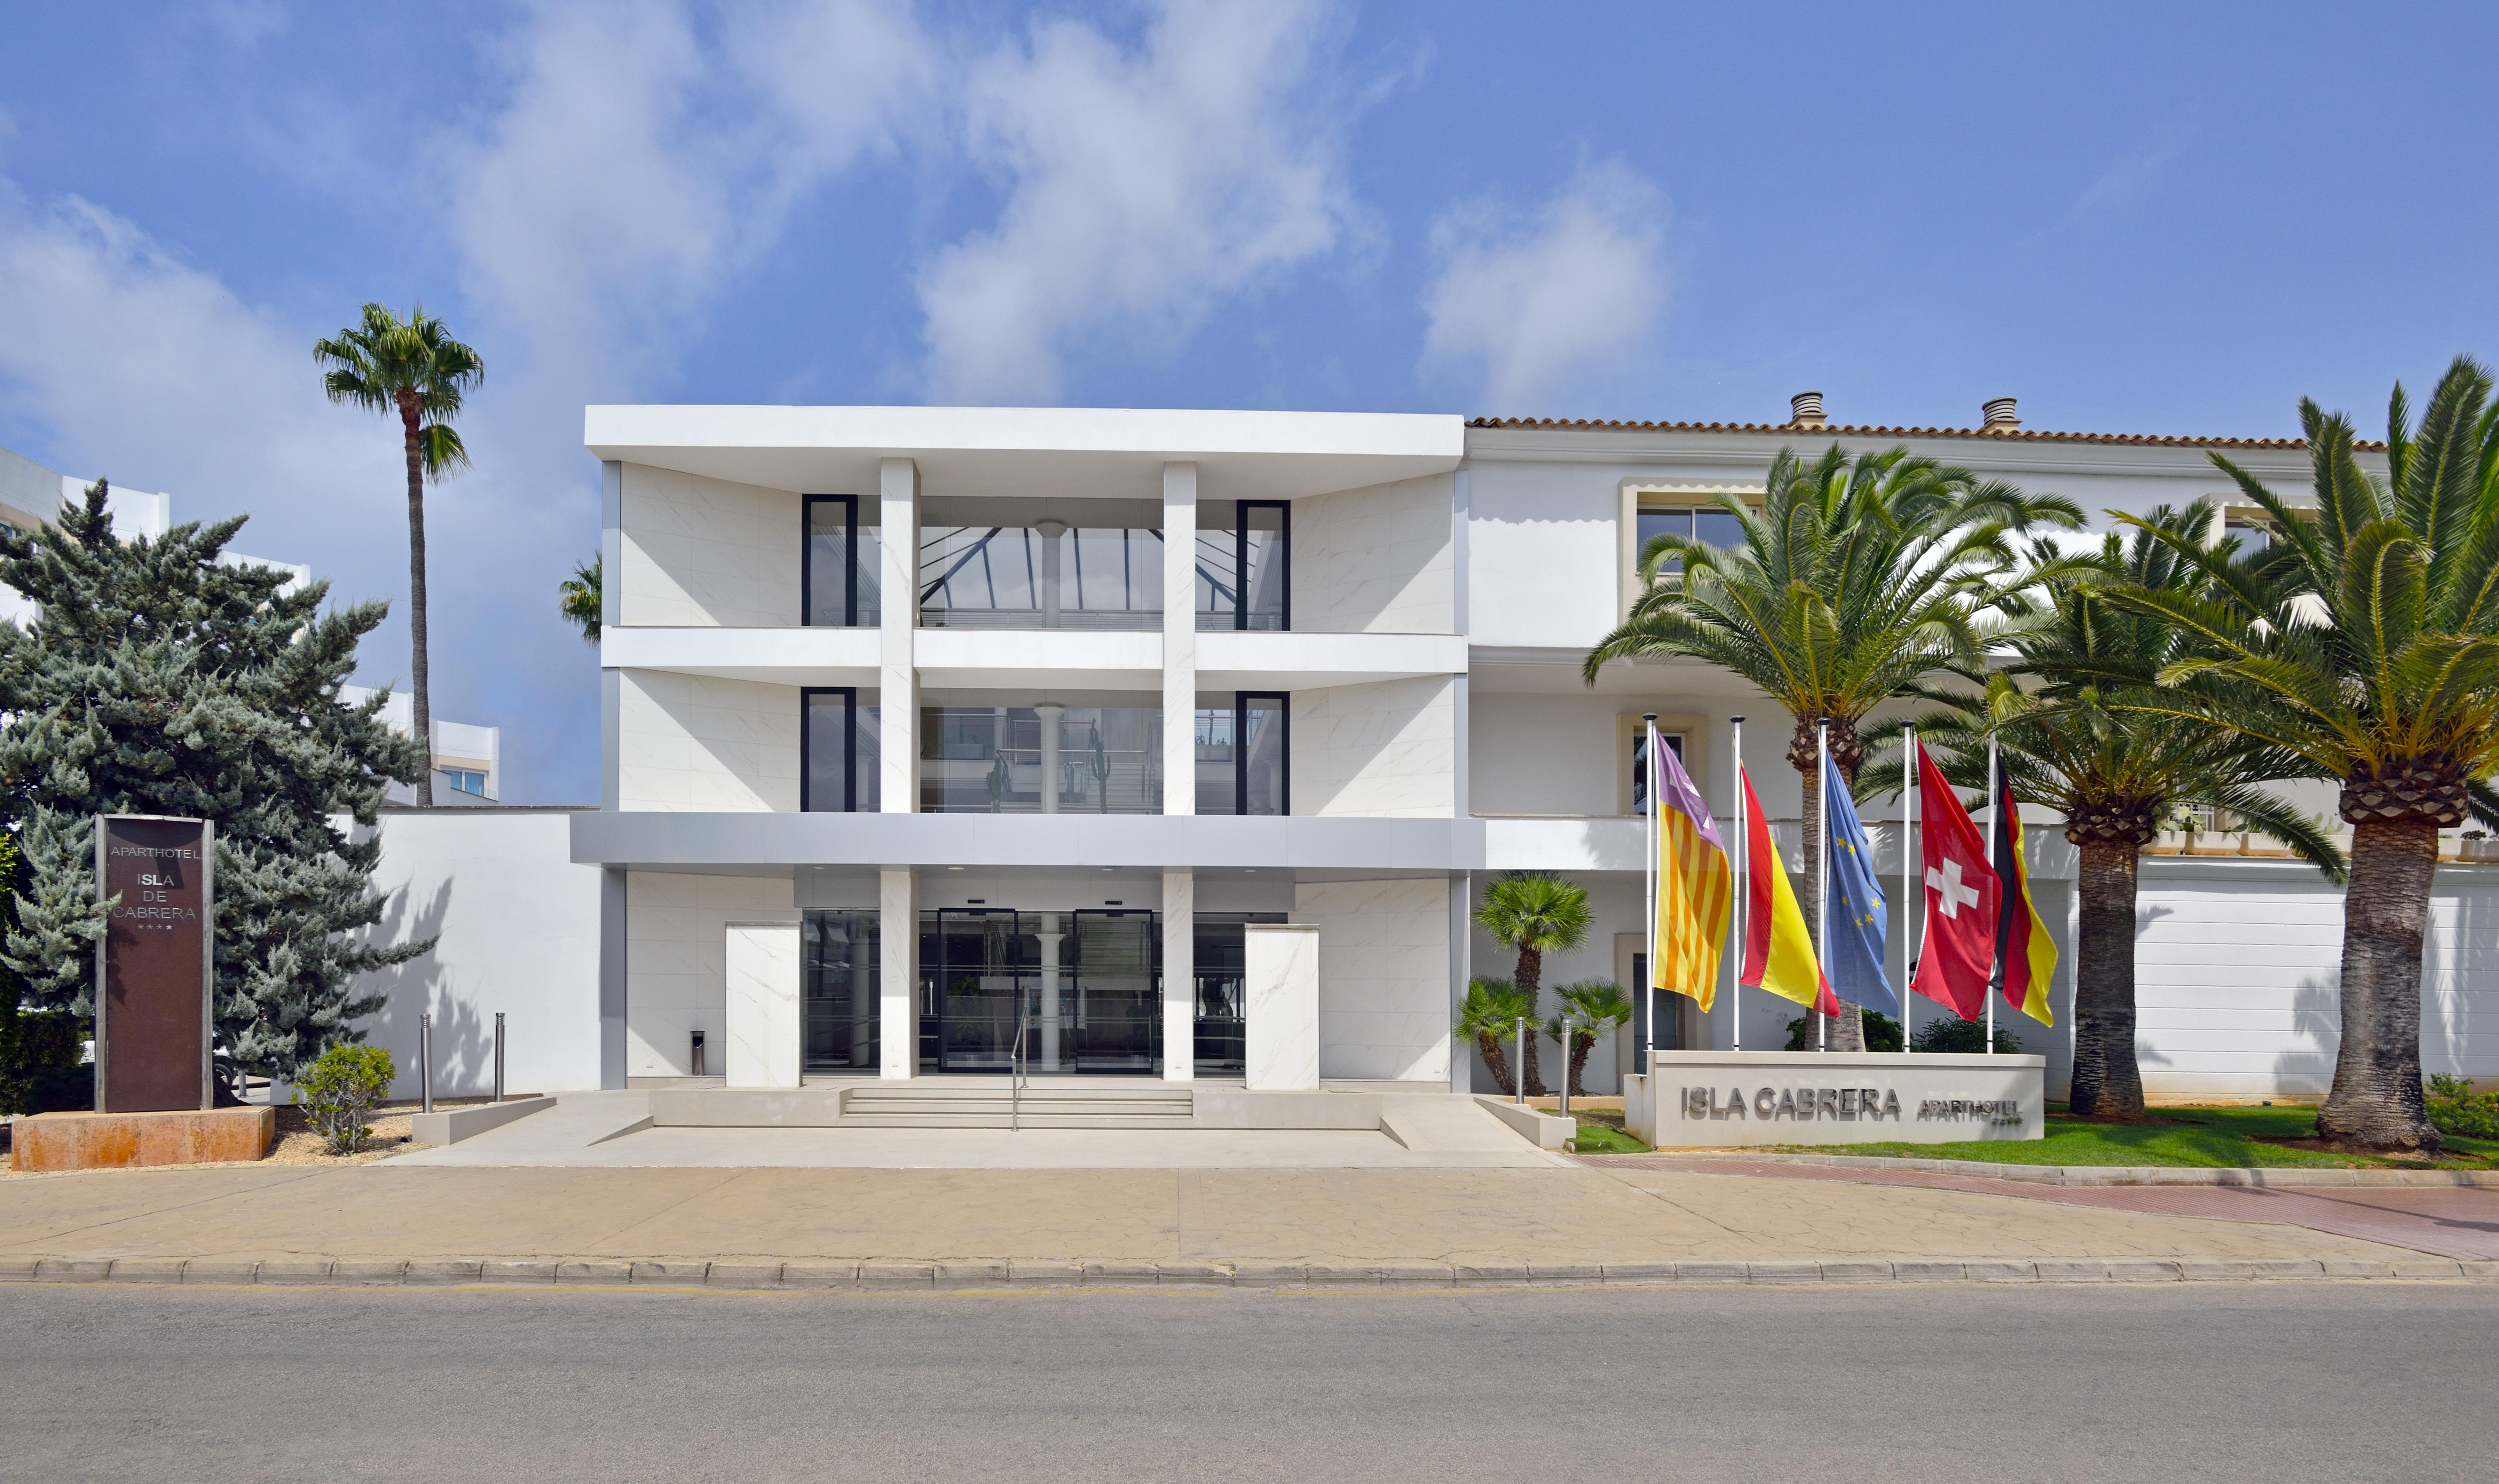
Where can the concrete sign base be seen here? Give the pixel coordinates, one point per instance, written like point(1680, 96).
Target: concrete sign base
point(1697, 1099)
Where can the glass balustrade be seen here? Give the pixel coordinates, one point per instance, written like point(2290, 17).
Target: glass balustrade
point(1040, 759)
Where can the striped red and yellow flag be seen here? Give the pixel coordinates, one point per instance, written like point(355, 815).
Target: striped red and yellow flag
point(1695, 888)
point(2025, 956)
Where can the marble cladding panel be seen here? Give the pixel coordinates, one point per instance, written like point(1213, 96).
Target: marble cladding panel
point(676, 964)
point(1385, 986)
point(1281, 1003)
point(1381, 751)
point(706, 553)
point(1375, 560)
point(762, 984)
point(695, 742)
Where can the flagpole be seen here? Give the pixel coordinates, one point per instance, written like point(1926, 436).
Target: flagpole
point(1648, 991)
point(1992, 804)
point(1822, 861)
point(1743, 888)
point(1909, 778)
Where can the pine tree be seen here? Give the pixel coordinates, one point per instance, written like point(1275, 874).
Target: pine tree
point(155, 679)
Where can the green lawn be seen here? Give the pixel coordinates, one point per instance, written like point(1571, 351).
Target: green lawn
point(1601, 1132)
point(2211, 1138)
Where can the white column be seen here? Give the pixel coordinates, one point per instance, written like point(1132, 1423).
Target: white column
point(897, 1030)
point(763, 1012)
point(1050, 712)
point(1048, 1058)
point(898, 678)
point(1179, 976)
point(1180, 639)
point(1281, 1000)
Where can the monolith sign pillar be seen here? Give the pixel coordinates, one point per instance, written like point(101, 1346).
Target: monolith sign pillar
point(154, 979)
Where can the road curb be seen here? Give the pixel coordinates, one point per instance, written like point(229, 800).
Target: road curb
point(2086, 1174)
point(885, 1275)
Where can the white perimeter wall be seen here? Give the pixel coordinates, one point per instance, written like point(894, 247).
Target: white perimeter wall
point(692, 742)
point(700, 552)
point(676, 964)
point(1376, 560)
point(1383, 976)
point(1388, 749)
point(519, 933)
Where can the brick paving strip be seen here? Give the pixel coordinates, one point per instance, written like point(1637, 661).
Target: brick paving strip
point(2445, 1213)
point(874, 1277)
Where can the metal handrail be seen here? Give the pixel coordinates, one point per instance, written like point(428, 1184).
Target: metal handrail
point(1016, 1069)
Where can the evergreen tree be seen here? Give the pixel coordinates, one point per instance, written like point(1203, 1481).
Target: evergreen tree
point(154, 679)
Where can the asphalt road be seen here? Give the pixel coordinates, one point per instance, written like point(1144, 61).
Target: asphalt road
point(2341, 1383)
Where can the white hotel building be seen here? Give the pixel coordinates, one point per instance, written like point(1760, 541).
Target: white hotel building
point(1041, 711)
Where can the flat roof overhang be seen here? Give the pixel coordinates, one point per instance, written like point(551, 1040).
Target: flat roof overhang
point(1052, 452)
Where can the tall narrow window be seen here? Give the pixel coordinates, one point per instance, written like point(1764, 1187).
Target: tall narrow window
point(837, 583)
point(839, 745)
point(1264, 759)
point(1674, 741)
point(1266, 566)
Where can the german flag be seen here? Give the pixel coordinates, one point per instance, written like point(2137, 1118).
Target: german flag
point(2025, 956)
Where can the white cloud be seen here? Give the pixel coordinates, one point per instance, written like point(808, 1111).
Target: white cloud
point(1550, 302)
point(1142, 185)
point(641, 159)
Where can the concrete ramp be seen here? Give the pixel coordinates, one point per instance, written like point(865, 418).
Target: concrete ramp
point(1448, 1125)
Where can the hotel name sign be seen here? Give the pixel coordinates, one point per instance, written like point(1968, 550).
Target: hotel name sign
point(153, 1038)
point(1845, 1104)
point(1727, 1098)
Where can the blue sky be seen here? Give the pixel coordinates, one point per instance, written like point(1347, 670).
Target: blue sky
point(2142, 218)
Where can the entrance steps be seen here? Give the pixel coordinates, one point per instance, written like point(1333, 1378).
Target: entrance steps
point(1042, 1106)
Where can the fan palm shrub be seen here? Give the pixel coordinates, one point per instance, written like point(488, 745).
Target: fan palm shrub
point(1489, 1017)
point(2069, 741)
point(1534, 913)
point(1860, 577)
point(2365, 640)
point(1588, 1010)
point(412, 369)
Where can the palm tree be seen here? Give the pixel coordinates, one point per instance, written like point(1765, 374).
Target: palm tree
point(2366, 640)
point(2071, 744)
point(1860, 577)
point(578, 597)
point(414, 370)
point(1589, 1009)
point(1534, 913)
point(1490, 1014)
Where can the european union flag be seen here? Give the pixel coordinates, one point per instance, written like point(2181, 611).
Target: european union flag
point(1854, 961)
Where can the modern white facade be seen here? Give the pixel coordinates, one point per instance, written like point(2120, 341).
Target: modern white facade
point(1046, 713)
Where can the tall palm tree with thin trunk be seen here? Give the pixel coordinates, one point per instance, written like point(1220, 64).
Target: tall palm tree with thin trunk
point(410, 368)
point(1534, 913)
point(1858, 577)
point(2366, 640)
point(2068, 740)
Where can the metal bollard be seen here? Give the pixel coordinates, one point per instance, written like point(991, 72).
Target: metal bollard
point(498, 1056)
point(698, 1053)
point(1519, 1063)
point(425, 1060)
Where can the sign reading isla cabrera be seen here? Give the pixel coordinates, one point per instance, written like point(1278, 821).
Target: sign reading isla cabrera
point(153, 1015)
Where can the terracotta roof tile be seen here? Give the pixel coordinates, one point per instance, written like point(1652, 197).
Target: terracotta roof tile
point(1865, 430)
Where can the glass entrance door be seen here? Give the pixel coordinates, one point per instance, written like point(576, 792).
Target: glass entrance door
point(983, 964)
point(1114, 962)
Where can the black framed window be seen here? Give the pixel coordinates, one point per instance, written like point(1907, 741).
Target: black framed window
point(1244, 763)
point(838, 752)
point(837, 578)
point(1705, 523)
point(1244, 564)
point(1674, 741)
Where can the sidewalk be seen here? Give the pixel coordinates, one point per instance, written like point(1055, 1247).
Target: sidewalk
point(1568, 1223)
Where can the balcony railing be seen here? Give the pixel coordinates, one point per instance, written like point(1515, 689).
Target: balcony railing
point(1043, 759)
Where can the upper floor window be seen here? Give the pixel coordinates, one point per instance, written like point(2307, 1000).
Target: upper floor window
point(467, 780)
point(1673, 743)
point(1243, 760)
point(1244, 570)
point(1705, 523)
point(837, 746)
point(1011, 564)
point(1043, 759)
point(2252, 535)
point(839, 582)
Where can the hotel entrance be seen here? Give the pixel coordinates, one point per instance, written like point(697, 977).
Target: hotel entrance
point(1088, 985)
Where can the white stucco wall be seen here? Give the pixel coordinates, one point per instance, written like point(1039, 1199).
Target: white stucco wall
point(1376, 560)
point(518, 925)
point(693, 742)
point(1383, 976)
point(677, 957)
point(704, 552)
point(1386, 750)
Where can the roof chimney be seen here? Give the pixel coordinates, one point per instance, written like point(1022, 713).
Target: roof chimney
point(1999, 414)
point(1805, 409)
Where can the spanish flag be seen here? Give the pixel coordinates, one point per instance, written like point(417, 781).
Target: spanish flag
point(1694, 890)
point(2025, 956)
point(1778, 951)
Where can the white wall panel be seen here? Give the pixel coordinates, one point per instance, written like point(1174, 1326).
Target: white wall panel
point(1375, 560)
point(1384, 751)
point(700, 552)
point(676, 964)
point(1383, 976)
point(708, 745)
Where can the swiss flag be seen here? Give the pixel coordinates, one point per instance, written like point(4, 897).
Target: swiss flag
point(1959, 951)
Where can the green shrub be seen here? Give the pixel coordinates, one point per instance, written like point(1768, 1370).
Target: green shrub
point(1952, 1033)
point(2457, 1109)
point(341, 1088)
point(1882, 1032)
point(39, 1071)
